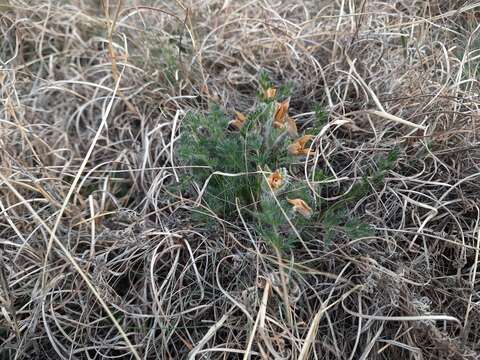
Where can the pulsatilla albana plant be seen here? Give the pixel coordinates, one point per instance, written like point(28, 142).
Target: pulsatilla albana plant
point(251, 163)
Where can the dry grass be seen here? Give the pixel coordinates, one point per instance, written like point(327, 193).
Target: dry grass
point(98, 261)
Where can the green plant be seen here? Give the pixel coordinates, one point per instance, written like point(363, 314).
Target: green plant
point(253, 164)
point(238, 161)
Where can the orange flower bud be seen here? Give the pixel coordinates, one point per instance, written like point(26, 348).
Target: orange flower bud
point(280, 115)
point(270, 93)
point(238, 121)
point(298, 146)
point(275, 180)
point(304, 139)
point(301, 207)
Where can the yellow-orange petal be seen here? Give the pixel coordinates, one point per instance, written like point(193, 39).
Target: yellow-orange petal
point(240, 116)
point(301, 207)
point(281, 111)
point(298, 146)
point(270, 93)
point(304, 139)
point(275, 180)
point(238, 121)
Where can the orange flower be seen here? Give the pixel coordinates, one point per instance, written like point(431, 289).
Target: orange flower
point(280, 115)
point(238, 121)
point(275, 180)
point(301, 207)
point(298, 146)
point(269, 93)
point(281, 120)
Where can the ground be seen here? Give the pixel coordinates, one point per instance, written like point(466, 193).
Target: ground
point(101, 258)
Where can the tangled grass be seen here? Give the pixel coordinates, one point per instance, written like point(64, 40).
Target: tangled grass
point(99, 260)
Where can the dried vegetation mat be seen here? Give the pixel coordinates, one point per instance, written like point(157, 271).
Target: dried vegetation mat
point(106, 252)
